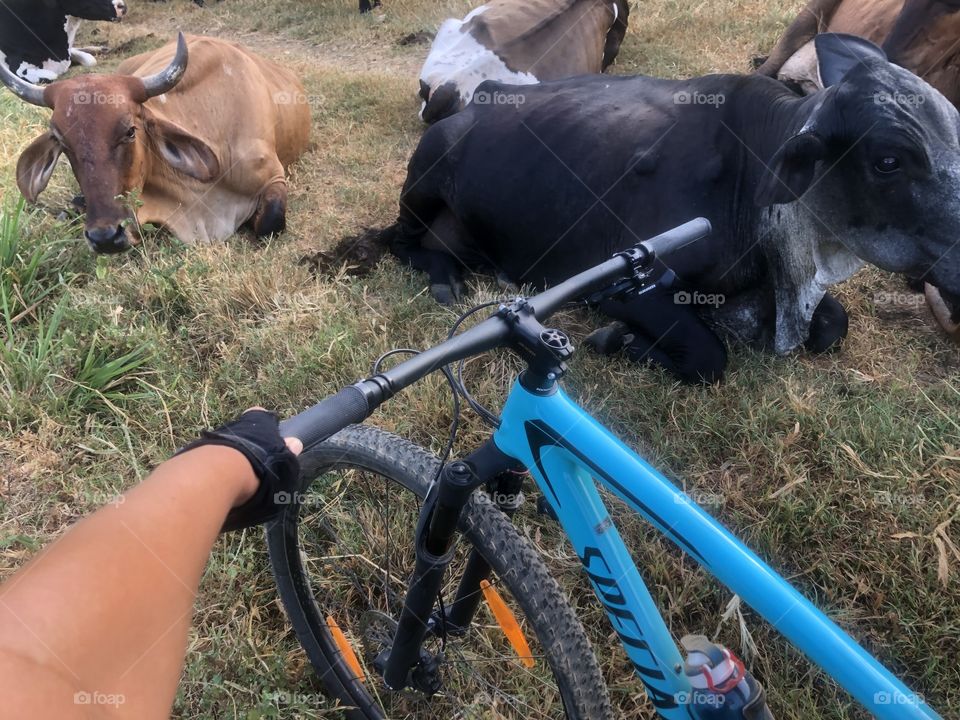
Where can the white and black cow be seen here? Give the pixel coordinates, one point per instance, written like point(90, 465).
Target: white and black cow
point(519, 42)
point(36, 36)
point(801, 191)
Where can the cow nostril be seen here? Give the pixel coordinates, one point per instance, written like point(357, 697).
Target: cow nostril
point(107, 239)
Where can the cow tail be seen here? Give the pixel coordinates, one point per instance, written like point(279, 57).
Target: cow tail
point(355, 255)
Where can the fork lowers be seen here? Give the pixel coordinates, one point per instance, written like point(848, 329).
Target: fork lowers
point(434, 551)
point(505, 493)
point(435, 547)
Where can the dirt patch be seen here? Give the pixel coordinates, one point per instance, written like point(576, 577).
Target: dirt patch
point(417, 38)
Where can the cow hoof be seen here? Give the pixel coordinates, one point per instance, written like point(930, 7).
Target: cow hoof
point(828, 326)
point(444, 293)
point(608, 340)
point(914, 283)
point(448, 293)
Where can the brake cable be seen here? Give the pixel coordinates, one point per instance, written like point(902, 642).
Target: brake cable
point(487, 415)
point(451, 381)
point(444, 457)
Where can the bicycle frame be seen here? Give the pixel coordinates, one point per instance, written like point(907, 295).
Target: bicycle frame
point(568, 452)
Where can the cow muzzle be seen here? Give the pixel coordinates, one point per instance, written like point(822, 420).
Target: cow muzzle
point(108, 240)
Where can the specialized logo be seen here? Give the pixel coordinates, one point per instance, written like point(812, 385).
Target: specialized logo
point(627, 627)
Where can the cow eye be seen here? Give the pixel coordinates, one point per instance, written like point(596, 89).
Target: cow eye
point(887, 165)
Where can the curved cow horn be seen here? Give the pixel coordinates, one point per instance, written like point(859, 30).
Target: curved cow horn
point(167, 79)
point(28, 92)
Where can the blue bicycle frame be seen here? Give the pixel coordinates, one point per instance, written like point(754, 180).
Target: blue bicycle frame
point(568, 452)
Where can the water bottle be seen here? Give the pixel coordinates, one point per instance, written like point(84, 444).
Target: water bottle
point(721, 687)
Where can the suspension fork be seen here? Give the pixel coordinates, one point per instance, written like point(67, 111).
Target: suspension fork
point(505, 493)
point(435, 535)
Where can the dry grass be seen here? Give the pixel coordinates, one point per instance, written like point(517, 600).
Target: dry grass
point(796, 453)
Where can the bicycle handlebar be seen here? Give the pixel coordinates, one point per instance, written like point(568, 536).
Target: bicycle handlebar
point(355, 403)
point(328, 417)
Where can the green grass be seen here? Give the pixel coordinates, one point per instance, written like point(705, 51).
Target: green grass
point(838, 469)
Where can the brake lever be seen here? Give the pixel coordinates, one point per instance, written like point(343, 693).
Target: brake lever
point(633, 286)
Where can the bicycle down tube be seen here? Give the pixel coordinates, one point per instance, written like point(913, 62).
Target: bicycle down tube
point(567, 452)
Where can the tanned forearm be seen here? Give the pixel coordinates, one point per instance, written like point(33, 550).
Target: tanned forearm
point(100, 629)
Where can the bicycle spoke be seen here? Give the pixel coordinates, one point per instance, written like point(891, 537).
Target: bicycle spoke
point(497, 692)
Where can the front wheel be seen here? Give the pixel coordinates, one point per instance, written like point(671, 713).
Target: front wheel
point(342, 555)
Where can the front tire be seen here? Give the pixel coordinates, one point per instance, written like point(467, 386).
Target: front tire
point(330, 562)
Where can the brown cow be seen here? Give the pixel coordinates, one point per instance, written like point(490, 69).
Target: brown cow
point(921, 35)
point(200, 148)
point(519, 42)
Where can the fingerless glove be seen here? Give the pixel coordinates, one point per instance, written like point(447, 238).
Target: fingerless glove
point(256, 434)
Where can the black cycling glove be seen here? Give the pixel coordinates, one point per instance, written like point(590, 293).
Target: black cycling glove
point(256, 434)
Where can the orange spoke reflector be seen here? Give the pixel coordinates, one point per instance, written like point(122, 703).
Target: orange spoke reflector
point(508, 623)
point(344, 645)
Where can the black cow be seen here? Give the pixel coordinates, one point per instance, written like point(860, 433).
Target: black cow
point(36, 36)
point(800, 191)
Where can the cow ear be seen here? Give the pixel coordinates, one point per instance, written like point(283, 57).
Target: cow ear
point(838, 53)
point(36, 165)
point(183, 151)
point(791, 170)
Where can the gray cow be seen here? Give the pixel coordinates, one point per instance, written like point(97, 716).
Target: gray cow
point(801, 191)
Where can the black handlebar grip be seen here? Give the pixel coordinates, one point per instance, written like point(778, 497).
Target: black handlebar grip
point(665, 243)
point(327, 417)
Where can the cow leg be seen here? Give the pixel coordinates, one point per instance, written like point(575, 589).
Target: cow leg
point(446, 278)
point(812, 19)
point(670, 335)
point(271, 215)
point(828, 326)
point(436, 253)
point(428, 236)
